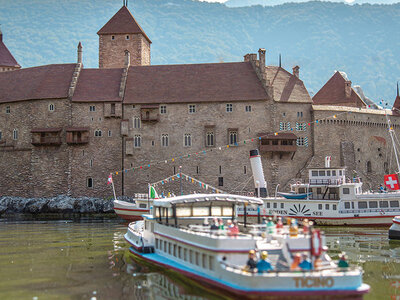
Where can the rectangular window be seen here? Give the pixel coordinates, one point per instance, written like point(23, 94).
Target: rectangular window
point(326, 206)
point(164, 140)
point(346, 191)
point(275, 205)
point(169, 248)
point(204, 260)
point(334, 206)
point(175, 250)
point(165, 246)
point(15, 134)
point(347, 205)
point(229, 107)
point(156, 243)
point(362, 204)
point(8, 109)
point(197, 170)
point(179, 251)
point(373, 204)
point(320, 206)
point(210, 139)
point(109, 133)
point(233, 137)
point(136, 122)
point(187, 140)
point(268, 205)
point(211, 262)
point(191, 256)
point(1, 135)
point(220, 181)
point(192, 108)
point(333, 173)
point(383, 204)
point(248, 108)
point(137, 141)
point(113, 108)
point(314, 173)
point(282, 205)
point(197, 259)
point(244, 170)
point(89, 182)
point(321, 173)
point(283, 126)
point(300, 141)
point(328, 173)
point(163, 109)
point(185, 254)
point(394, 203)
point(92, 108)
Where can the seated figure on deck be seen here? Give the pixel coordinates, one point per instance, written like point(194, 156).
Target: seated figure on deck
point(251, 264)
point(296, 261)
point(305, 265)
point(264, 266)
point(342, 263)
point(215, 224)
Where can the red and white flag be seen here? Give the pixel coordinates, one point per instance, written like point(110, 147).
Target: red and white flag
point(109, 181)
point(392, 181)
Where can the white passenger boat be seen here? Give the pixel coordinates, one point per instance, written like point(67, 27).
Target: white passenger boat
point(173, 237)
point(394, 230)
point(132, 211)
point(329, 197)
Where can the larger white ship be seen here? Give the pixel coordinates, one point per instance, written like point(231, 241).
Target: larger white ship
point(173, 237)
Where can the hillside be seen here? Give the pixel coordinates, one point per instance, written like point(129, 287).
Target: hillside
point(318, 36)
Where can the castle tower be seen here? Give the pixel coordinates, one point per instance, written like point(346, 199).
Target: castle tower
point(7, 61)
point(119, 34)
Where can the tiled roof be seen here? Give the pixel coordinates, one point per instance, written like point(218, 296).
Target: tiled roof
point(98, 85)
point(6, 58)
point(333, 93)
point(193, 83)
point(122, 22)
point(396, 105)
point(44, 82)
point(287, 87)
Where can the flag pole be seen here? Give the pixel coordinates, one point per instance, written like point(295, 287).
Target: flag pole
point(112, 183)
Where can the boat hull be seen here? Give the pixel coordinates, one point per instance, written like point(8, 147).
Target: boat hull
point(129, 211)
point(394, 230)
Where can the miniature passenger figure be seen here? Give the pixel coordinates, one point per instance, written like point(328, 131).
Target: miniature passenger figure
point(342, 263)
point(251, 262)
point(264, 266)
point(306, 226)
point(294, 229)
point(205, 222)
point(270, 225)
point(317, 263)
point(279, 224)
point(221, 224)
point(234, 229)
point(215, 224)
point(305, 265)
point(296, 262)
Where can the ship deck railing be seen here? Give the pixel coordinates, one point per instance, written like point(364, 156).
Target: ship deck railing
point(217, 233)
point(381, 211)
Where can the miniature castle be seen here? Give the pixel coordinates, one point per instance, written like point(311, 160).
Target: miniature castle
point(64, 128)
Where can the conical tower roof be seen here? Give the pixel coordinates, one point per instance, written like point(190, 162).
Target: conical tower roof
point(122, 22)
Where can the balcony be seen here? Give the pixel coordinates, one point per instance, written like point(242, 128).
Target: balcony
point(46, 136)
point(279, 143)
point(149, 113)
point(77, 135)
point(278, 148)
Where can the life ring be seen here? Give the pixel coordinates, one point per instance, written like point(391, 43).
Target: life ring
point(382, 212)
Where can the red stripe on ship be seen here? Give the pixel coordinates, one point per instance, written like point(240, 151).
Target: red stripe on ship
point(129, 209)
point(396, 222)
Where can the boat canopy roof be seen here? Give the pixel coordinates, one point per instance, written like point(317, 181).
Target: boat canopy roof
point(201, 198)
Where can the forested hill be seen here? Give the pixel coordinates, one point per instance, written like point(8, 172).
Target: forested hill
point(320, 37)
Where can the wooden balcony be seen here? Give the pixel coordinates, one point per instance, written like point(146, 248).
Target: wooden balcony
point(278, 148)
point(77, 135)
point(38, 140)
point(278, 143)
point(149, 113)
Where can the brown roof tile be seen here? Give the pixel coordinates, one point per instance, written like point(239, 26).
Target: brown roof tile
point(193, 83)
point(44, 82)
point(6, 58)
point(333, 93)
point(122, 22)
point(98, 85)
point(287, 87)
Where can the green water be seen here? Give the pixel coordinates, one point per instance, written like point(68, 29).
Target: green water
point(87, 259)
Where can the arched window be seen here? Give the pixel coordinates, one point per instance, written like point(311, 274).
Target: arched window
point(89, 182)
point(51, 107)
point(369, 167)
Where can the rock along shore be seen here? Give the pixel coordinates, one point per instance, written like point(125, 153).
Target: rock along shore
point(61, 205)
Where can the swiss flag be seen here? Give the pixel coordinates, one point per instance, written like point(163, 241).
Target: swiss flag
point(392, 181)
point(109, 181)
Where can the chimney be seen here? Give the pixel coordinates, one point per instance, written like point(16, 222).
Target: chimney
point(127, 59)
point(79, 53)
point(258, 174)
point(261, 55)
point(296, 71)
point(347, 88)
point(1, 36)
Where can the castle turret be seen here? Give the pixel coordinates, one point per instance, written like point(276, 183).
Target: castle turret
point(7, 61)
point(119, 34)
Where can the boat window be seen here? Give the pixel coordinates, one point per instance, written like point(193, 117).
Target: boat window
point(179, 251)
point(191, 256)
point(352, 205)
point(340, 173)
point(334, 206)
point(268, 205)
point(373, 204)
point(347, 205)
point(211, 262)
point(326, 206)
point(142, 205)
point(169, 248)
point(319, 190)
point(157, 212)
point(183, 211)
point(216, 210)
point(184, 254)
point(200, 211)
point(165, 246)
point(320, 206)
point(302, 190)
point(175, 250)
point(383, 204)
point(156, 243)
point(314, 173)
point(227, 211)
point(204, 260)
point(346, 191)
point(321, 173)
point(275, 205)
point(282, 205)
point(197, 258)
point(145, 225)
point(333, 173)
point(332, 191)
point(328, 173)
point(394, 203)
point(362, 204)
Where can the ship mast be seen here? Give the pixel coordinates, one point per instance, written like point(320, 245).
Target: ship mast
point(391, 133)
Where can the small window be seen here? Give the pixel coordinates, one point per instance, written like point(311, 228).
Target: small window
point(383, 204)
point(328, 173)
point(163, 109)
point(220, 169)
point(113, 37)
point(127, 37)
point(340, 173)
point(314, 173)
point(15, 134)
point(8, 109)
point(98, 133)
point(164, 140)
point(333, 173)
point(174, 250)
point(51, 107)
point(211, 262)
point(136, 122)
point(394, 203)
point(220, 181)
point(92, 108)
point(233, 138)
point(204, 260)
point(373, 204)
point(1, 135)
point(137, 141)
point(369, 167)
point(244, 170)
point(197, 258)
point(229, 107)
point(320, 206)
point(184, 254)
point(334, 206)
point(112, 109)
point(142, 205)
point(91, 163)
point(347, 205)
point(152, 143)
point(192, 108)
point(109, 133)
point(346, 191)
point(248, 108)
point(89, 182)
point(321, 173)
point(156, 243)
point(275, 205)
point(187, 140)
point(210, 139)
point(362, 204)
point(268, 205)
point(197, 170)
point(319, 190)
point(326, 206)
point(282, 205)
point(302, 190)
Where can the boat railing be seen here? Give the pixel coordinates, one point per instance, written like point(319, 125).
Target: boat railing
point(206, 230)
point(382, 211)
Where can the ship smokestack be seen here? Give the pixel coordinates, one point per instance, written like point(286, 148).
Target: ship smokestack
point(258, 174)
point(328, 161)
